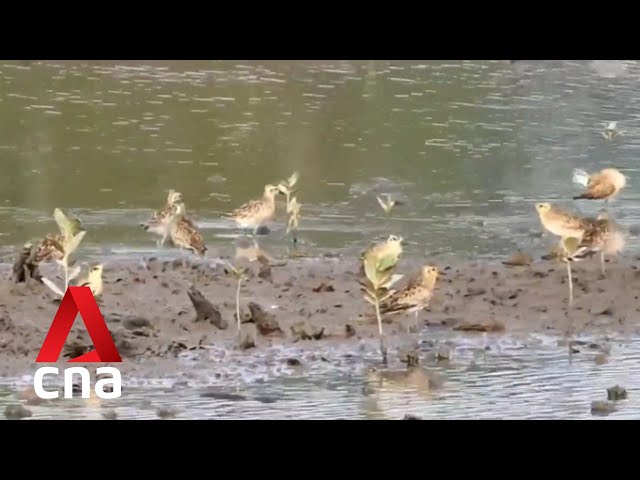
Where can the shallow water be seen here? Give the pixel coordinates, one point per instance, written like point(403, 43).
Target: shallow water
point(531, 377)
point(469, 146)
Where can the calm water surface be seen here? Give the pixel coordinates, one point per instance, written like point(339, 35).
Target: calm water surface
point(469, 145)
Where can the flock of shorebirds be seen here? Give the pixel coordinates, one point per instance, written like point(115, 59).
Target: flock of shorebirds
point(580, 237)
point(171, 221)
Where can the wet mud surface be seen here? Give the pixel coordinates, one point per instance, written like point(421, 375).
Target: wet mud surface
point(149, 307)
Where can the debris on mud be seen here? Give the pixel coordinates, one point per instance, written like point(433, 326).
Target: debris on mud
point(519, 259)
point(110, 414)
point(349, 331)
point(16, 412)
point(247, 340)
point(293, 362)
point(221, 395)
point(303, 331)
point(475, 291)
point(602, 407)
point(409, 416)
point(488, 325)
point(323, 287)
point(265, 322)
point(205, 311)
point(616, 393)
point(166, 413)
point(412, 358)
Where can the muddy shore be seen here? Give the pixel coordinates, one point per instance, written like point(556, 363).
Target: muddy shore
point(152, 318)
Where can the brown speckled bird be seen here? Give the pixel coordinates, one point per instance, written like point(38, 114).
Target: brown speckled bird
point(255, 213)
point(50, 248)
point(415, 297)
point(160, 219)
point(184, 233)
point(601, 236)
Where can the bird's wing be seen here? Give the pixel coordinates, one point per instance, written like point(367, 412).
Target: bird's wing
point(599, 187)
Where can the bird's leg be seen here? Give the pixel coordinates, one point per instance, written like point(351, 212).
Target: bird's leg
point(183, 257)
point(164, 238)
point(602, 263)
point(570, 284)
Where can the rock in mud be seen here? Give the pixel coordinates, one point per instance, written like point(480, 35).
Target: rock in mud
point(602, 310)
point(166, 413)
point(265, 399)
point(602, 407)
point(265, 273)
point(293, 362)
point(110, 414)
point(265, 322)
point(616, 393)
point(304, 331)
point(412, 359)
point(409, 416)
point(126, 343)
point(475, 291)
point(489, 325)
point(205, 311)
point(349, 331)
point(443, 353)
point(75, 349)
point(323, 287)
point(218, 395)
point(519, 259)
point(16, 412)
point(133, 323)
point(247, 341)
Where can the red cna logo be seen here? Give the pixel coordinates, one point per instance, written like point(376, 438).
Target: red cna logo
point(79, 300)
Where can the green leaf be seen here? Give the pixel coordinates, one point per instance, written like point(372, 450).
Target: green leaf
point(69, 227)
point(570, 245)
point(293, 179)
point(73, 243)
point(386, 263)
point(370, 270)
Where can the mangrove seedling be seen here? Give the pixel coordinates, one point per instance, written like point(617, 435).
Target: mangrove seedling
point(293, 209)
point(287, 187)
point(72, 235)
point(241, 275)
point(377, 287)
point(388, 204)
